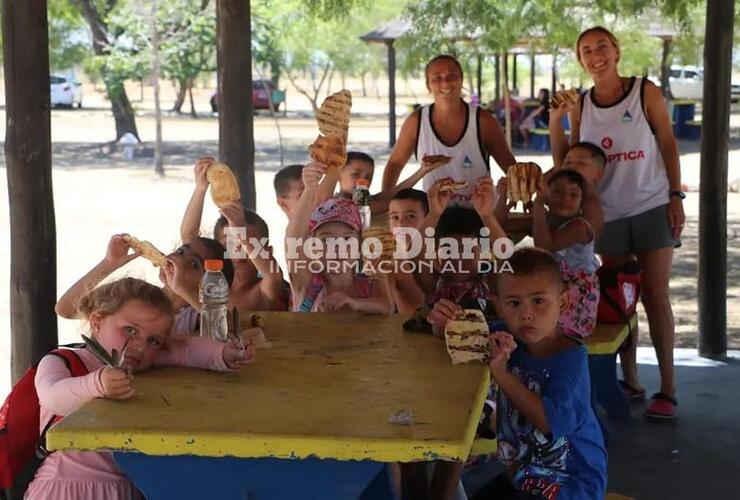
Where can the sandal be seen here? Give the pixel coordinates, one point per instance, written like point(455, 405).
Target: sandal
point(631, 392)
point(661, 407)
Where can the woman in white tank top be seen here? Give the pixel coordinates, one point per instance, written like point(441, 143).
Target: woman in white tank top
point(640, 191)
point(449, 127)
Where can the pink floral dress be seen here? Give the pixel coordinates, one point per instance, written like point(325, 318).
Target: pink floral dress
point(579, 265)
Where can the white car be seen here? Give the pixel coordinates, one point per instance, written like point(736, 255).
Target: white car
point(65, 92)
point(687, 82)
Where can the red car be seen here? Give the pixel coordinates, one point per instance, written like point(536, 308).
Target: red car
point(260, 96)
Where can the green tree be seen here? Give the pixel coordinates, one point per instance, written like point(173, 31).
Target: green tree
point(113, 70)
point(69, 45)
point(317, 39)
point(188, 44)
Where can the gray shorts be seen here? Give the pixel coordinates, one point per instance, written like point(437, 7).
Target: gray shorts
point(636, 234)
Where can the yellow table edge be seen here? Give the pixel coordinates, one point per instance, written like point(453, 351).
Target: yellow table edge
point(260, 446)
point(252, 446)
point(469, 442)
point(611, 346)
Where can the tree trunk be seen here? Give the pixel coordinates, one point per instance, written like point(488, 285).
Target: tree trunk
point(364, 88)
point(182, 89)
point(328, 86)
point(665, 68)
point(192, 102)
point(311, 98)
point(123, 113)
point(154, 34)
point(712, 275)
point(33, 283)
point(274, 116)
point(235, 117)
point(507, 101)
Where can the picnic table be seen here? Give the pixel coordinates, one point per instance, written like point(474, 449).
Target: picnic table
point(312, 418)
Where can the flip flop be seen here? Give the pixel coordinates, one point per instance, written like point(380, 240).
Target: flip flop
point(662, 407)
point(632, 393)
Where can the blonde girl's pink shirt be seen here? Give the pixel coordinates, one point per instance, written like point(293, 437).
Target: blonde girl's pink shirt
point(80, 475)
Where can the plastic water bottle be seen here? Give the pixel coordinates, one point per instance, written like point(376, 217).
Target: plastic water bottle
point(361, 197)
point(214, 295)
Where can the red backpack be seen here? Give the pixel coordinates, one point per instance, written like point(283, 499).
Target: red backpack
point(21, 448)
point(620, 292)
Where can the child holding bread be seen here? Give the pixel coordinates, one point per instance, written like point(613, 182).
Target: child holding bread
point(258, 280)
point(548, 435)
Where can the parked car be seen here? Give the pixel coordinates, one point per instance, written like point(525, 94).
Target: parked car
point(65, 92)
point(260, 96)
point(687, 82)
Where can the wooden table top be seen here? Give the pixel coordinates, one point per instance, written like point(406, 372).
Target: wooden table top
point(327, 388)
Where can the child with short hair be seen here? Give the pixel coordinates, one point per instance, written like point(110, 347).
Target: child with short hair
point(256, 289)
point(258, 279)
point(135, 318)
point(359, 165)
point(406, 211)
point(562, 230)
point(457, 283)
point(408, 208)
point(460, 282)
point(288, 186)
point(339, 285)
point(548, 435)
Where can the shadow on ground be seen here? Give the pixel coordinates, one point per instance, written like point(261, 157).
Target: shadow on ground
point(684, 287)
point(694, 456)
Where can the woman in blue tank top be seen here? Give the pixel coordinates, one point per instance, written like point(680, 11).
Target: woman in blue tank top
point(640, 192)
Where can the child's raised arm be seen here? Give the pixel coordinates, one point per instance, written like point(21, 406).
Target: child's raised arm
point(380, 202)
point(438, 201)
point(529, 404)
point(558, 140)
point(502, 207)
point(297, 228)
point(271, 285)
point(554, 240)
point(116, 256)
point(327, 186)
point(483, 202)
point(190, 226)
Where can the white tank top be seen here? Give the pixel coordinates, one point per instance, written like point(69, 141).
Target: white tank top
point(469, 158)
point(635, 179)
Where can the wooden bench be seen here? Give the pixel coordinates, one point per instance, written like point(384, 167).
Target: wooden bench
point(602, 347)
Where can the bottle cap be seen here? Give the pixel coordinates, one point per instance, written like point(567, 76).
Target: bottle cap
point(362, 182)
point(213, 264)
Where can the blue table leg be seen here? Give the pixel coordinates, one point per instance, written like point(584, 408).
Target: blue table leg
point(184, 477)
point(605, 387)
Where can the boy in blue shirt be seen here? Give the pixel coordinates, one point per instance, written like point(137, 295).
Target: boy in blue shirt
point(548, 435)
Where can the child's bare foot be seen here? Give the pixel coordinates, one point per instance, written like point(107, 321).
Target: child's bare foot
point(632, 391)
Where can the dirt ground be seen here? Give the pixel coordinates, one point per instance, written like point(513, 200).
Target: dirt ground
point(97, 195)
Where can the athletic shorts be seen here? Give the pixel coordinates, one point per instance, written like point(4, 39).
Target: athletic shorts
point(636, 234)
